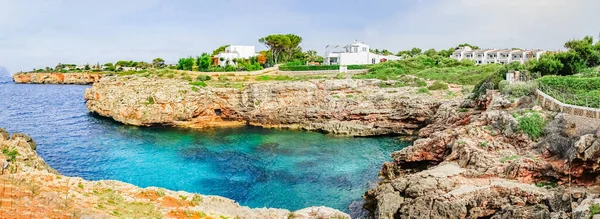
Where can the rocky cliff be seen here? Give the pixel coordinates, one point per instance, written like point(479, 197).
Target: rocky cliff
point(472, 163)
point(32, 189)
point(57, 78)
point(346, 107)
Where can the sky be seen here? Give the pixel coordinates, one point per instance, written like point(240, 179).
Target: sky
point(40, 33)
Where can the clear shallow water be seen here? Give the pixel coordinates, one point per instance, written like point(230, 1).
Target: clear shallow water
point(254, 166)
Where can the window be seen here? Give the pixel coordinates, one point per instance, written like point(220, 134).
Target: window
point(373, 61)
point(364, 49)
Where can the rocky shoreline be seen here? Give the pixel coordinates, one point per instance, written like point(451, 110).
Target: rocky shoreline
point(477, 164)
point(472, 158)
point(57, 78)
point(32, 189)
point(344, 107)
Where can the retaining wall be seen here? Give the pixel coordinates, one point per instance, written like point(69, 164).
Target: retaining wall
point(549, 103)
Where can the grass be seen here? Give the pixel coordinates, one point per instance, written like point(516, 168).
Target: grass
point(484, 144)
point(11, 154)
point(574, 90)
point(532, 124)
point(509, 158)
point(423, 90)
point(150, 100)
point(438, 85)
point(594, 209)
point(196, 200)
point(203, 78)
point(124, 209)
point(287, 78)
point(432, 68)
point(198, 83)
point(546, 183)
point(160, 192)
point(80, 185)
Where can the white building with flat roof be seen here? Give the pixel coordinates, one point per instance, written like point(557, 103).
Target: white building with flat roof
point(235, 52)
point(353, 54)
point(499, 56)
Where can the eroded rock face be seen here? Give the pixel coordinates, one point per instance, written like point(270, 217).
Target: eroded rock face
point(57, 78)
point(346, 107)
point(477, 164)
point(35, 190)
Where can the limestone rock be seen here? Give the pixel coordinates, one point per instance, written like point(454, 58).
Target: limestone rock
point(345, 107)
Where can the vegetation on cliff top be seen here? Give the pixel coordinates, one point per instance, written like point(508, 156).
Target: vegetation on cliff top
point(432, 68)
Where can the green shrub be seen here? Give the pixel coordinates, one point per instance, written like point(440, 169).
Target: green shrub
point(198, 83)
point(594, 209)
point(223, 78)
point(11, 154)
point(203, 78)
point(502, 84)
point(532, 124)
point(423, 90)
point(287, 67)
point(150, 100)
point(519, 89)
point(438, 85)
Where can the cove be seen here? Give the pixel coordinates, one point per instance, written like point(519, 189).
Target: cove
point(254, 166)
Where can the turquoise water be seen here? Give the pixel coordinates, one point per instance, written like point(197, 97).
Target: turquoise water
point(254, 166)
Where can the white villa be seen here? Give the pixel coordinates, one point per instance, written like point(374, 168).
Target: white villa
point(235, 52)
point(501, 56)
point(353, 54)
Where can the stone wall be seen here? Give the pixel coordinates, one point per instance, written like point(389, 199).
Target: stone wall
point(549, 103)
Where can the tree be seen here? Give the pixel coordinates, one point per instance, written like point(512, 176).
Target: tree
point(262, 58)
point(144, 65)
point(431, 52)
point(547, 65)
point(123, 63)
point(404, 53)
point(415, 51)
point(585, 50)
point(158, 63)
point(281, 45)
point(87, 67)
point(203, 61)
point(385, 52)
point(59, 67)
point(109, 66)
point(469, 45)
point(294, 47)
point(186, 64)
point(311, 56)
point(219, 50)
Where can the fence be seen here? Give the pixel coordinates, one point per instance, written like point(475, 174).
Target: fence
point(570, 97)
point(552, 104)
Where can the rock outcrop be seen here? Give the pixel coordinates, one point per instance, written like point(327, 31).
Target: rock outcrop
point(478, 164)
point(57, 78)
point(32, 189)
point(346, 107)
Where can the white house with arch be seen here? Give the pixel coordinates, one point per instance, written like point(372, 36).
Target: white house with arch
point(353, 54)
point(235, 52)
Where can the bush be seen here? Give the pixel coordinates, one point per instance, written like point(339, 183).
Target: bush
point(532, 124)
point(502, 84)
point(438, 85)
point(198, 83)
point(203, 78)
point(423, 90)
point(287, 67)
point(519, 89)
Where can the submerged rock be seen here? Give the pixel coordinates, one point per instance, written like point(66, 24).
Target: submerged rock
point(38, 191)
